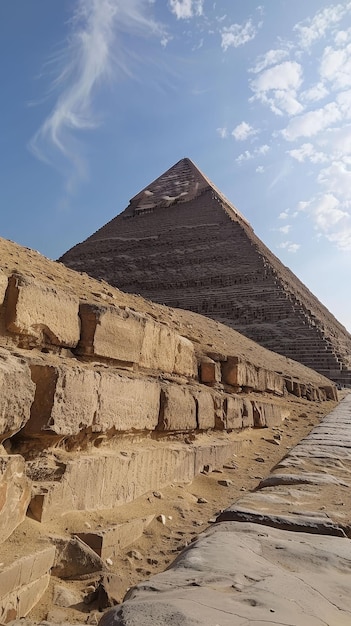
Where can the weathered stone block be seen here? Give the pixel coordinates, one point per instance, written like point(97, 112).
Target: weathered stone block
point(210, 371)
point(240, 373)
point(23, 583)
point(16, 394)
point(266, 414)
point(66, 400)
point(177, 410)
point(205, 409)
point(220, 411)
point(106, 479)
point(234, 412)
point(331, 392)
point(159, 347)
point(42, 312)
point(185, 360)
point(74, 558)
point(3, 286)
point(275, 383)
point(111, 332)
point(15, 493)
point(270, 381)
point(108, 543)
point(248, 420)
point(72, 398)
point(126, 403)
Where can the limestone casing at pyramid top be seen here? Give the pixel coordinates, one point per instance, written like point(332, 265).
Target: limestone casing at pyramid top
point(180, 183)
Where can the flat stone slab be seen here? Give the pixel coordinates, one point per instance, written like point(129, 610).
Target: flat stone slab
point(240, 574)
point(320, 481)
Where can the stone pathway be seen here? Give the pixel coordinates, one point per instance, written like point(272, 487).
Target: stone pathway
point(247, 570)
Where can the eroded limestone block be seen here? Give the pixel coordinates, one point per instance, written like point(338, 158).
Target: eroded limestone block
point(15, 493)
point(266, 414)
point(111, 332)
point(16, 394)
point(74, 558)
point(23, 582)
point(158, 351)
point(205, 409)
point(108, 543)
point(66, 400)
point(210, 371)
point(234, 408)
point(240, 373)
point(177, 410)
point(107, 478)
point(331, 392)
point(42, 312)
point(270, 381)
point(3, 286)
point(70, 399)
point(126, 403)
point(185, 360)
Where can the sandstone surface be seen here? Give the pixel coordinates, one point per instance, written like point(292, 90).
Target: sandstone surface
point(238, 574)
point(16, 394)
point(37, 312)
point(15, 493)
point(23, 582)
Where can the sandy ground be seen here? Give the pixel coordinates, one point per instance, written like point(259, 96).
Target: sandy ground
point(186, 517)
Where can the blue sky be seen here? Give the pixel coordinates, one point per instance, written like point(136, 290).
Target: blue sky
point(99, 97)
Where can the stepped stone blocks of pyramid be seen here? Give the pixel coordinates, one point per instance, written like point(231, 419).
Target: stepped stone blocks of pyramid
point(180, 242)
point(106, 397)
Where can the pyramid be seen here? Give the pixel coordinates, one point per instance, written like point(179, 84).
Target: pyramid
point(180, 242)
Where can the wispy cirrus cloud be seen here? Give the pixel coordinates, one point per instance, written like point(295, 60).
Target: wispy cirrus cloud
point(93, 54)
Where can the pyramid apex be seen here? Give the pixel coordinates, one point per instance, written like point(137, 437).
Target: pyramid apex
point(180, 183)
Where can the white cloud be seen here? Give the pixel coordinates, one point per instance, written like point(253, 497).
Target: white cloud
point(285, 229)
point(336, 66)
point(330, 218)
point(260, 169)
point(314, 93)
point(284, 215)
point(243, 131)
point(238, 34)
point(223, 133)
point(303, 205)
point(342, 239)
point(307, 151)
point(342, 37)
point(262, 149)
point(337, 179)
point(89, 59)
point(289, 246)
point(272, 57)
point(312, 29)
point(277, 86)
point(185, 9)
point(312, 122)
point(327, 212)
point(247, 155)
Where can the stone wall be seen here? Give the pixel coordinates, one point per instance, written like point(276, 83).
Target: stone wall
point(97, 403)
